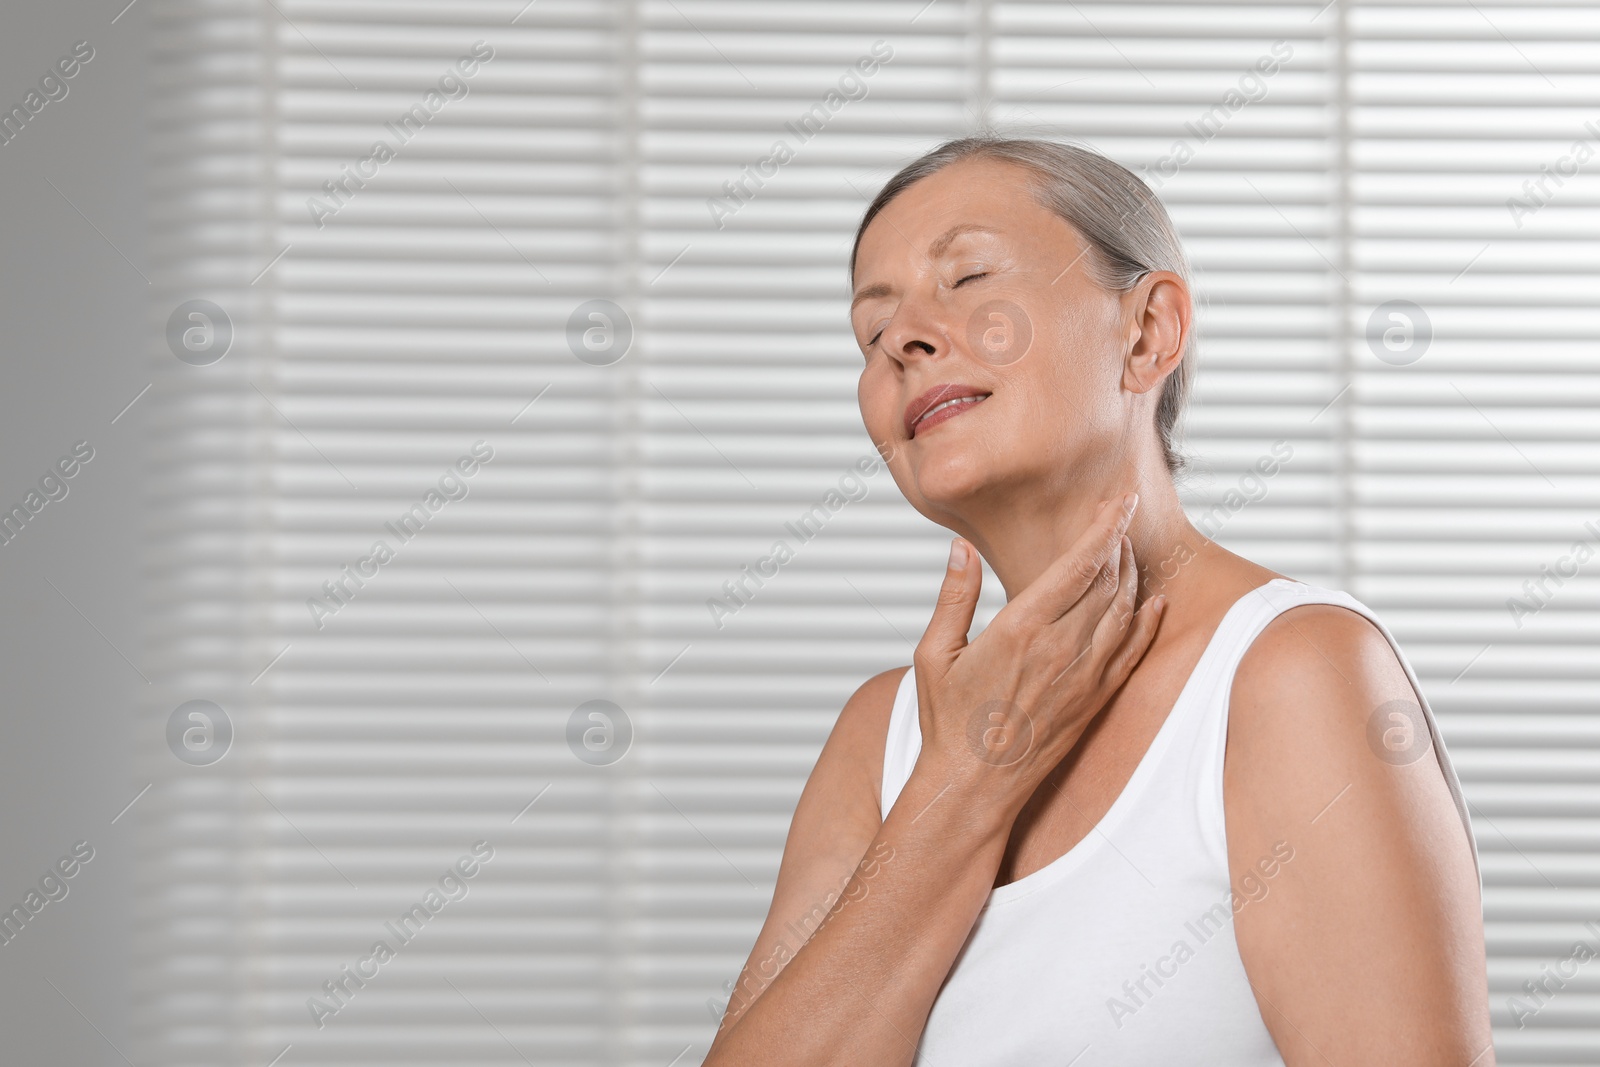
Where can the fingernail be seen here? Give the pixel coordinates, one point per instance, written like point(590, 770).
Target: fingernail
point(1129, 502)
point(958, 555)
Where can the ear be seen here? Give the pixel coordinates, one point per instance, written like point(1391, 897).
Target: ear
point(1161, 322)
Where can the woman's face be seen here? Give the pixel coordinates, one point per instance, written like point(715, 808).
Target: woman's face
point(966, 285)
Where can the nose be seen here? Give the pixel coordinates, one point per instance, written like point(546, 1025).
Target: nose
point(919, 330)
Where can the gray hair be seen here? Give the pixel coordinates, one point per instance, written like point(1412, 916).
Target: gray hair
point(1126, 226)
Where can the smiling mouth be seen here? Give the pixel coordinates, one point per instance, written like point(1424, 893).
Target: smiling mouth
point(947, 410)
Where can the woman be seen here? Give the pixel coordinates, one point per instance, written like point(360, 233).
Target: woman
point(1184, 811)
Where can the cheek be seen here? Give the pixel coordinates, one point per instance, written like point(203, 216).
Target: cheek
point(1062, 398)
point(1079, 359)
point(876, 395)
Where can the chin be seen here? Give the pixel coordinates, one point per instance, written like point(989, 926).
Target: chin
point(945, 477)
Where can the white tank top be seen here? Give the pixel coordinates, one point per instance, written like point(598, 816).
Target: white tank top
point(1122, 951)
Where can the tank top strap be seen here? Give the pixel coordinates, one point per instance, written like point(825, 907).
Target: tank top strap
point(903, 743)
point(1267, 602)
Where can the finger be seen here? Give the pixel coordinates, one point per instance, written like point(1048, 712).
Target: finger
point(1074, 573)
point(1112, 596)
point(947, 630)
point(1117, 614)
point(1145, 623)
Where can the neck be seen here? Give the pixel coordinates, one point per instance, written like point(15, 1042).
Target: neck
point(1021, 537)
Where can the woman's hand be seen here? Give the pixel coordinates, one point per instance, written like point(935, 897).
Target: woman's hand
point(1000, 713)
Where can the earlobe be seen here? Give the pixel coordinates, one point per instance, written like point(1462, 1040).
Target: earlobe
point(1141, 374)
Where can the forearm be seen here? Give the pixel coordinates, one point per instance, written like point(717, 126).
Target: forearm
point(859, 990)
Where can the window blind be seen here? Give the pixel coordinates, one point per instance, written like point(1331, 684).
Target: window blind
point(589, 260)
point(1471, 463)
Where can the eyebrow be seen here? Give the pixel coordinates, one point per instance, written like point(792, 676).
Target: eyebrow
point(939, 247)
point(871, 292)
point(941, 244)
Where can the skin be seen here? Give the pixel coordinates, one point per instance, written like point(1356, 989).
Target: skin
point(1367, 945)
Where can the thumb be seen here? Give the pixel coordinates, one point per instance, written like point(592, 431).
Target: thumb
point(946, 634)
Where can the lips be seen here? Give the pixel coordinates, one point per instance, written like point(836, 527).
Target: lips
point(939, 394)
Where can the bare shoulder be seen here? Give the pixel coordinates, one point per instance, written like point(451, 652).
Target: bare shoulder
point(1356, 892)
point(1307, 690)
point(863, 730)
point(835, 821)
point(839, 804)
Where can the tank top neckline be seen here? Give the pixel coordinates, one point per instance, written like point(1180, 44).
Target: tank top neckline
point(1139, 780)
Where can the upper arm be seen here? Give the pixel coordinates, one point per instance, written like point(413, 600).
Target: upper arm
point(1375, 915)
point(835, 820)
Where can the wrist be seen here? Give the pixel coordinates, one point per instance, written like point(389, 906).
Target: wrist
point(971, 799)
